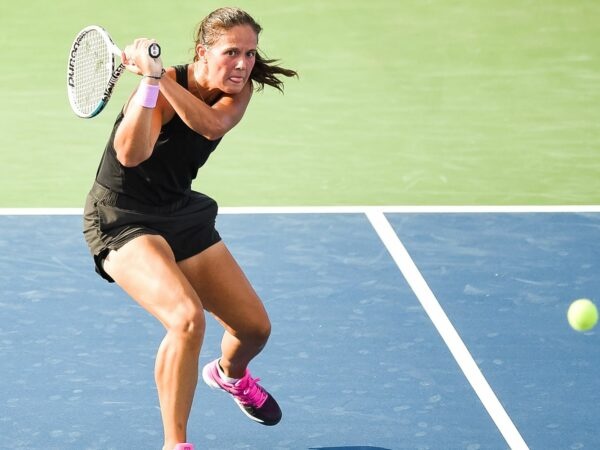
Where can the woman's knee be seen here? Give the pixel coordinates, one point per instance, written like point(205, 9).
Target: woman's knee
point(188, 322)
point(264, 331)
point(256, 332)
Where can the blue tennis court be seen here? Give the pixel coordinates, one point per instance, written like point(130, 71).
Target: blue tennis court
point(461, 342)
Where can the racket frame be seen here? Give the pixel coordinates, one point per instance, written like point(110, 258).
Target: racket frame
point(115, 73)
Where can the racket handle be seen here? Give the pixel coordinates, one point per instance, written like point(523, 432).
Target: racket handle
point(154, 50)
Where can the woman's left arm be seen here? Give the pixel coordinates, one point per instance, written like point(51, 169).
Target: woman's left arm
point(213, 122)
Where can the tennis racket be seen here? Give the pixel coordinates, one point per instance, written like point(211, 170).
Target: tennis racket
point(91, 72)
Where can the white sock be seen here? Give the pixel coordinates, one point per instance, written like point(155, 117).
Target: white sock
point(225, 378)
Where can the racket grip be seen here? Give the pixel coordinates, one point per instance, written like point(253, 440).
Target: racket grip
point(154, 50)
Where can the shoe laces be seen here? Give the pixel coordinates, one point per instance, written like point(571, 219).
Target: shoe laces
point(249, 392)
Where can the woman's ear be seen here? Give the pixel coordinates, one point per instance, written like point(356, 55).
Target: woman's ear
point(201, 52)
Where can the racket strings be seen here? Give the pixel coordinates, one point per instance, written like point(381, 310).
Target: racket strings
point(92, 71)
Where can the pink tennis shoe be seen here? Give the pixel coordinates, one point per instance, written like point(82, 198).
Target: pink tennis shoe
point(251, 397)
point(184, 447)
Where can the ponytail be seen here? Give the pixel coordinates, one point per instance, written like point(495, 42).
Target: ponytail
point(265, 71)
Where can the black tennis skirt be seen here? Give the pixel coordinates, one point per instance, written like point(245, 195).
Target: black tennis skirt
point(110, 220)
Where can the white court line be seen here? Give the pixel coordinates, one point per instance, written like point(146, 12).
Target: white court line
point(447, 331)
point(40, 211)
point(344, 209)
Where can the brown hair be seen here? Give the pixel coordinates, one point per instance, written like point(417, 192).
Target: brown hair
point(211, 28)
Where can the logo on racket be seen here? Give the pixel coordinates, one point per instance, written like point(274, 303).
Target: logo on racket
point(154, 50)
point(72, 54)
point(112, 81)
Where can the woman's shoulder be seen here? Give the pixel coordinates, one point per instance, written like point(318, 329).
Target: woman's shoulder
point(179, 73)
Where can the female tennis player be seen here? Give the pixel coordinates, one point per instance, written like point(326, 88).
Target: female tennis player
point(156, 238)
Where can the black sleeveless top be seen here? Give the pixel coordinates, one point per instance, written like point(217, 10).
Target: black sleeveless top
point(166, 176)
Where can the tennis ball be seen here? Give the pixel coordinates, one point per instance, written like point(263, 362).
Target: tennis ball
point(582, 315)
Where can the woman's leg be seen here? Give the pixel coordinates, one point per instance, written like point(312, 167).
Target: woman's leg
point(228, 295)
point(146, 269)
point(226, 292)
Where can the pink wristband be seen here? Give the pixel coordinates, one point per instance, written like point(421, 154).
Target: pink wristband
point(146, 95)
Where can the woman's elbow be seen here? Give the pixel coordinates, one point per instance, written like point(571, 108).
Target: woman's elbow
point(128, 161)
point(129, 158)
point(213, 135)
point(213, 129)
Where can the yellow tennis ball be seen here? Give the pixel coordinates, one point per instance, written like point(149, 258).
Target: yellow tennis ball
point(582, 315)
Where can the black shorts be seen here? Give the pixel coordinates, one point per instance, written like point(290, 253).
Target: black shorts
point(111, 220)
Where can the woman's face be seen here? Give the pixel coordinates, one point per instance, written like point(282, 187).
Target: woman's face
point(229, 61)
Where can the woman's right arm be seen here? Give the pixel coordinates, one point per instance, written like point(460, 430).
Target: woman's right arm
point(138, 131)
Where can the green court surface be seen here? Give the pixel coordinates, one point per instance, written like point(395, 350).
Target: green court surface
point(398, 102)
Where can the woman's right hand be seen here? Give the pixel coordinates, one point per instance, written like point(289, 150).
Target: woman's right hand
point(137, 59)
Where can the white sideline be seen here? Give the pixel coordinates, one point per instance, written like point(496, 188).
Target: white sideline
point(447, 331)
point(344, 209)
